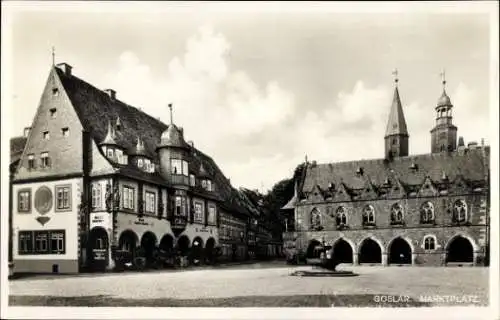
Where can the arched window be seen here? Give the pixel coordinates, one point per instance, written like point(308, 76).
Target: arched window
point(430, 243)
point(341, 216)
point(460, 211)
point(427, 212)
point(368, 215)
point(316, 220)
point(396, 213)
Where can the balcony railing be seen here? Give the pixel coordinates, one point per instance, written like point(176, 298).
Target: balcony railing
point(179, 179)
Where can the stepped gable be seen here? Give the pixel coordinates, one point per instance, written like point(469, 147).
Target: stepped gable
point(411, 170)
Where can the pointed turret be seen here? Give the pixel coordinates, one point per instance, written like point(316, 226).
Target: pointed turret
point(139, 149)
point(396, 133)
point(444, 134)
point(110, 136)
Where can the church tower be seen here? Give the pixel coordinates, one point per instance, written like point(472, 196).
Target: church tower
point(444, 134)
point(396, 134)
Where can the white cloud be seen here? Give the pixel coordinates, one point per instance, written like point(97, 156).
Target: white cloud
point(224, 111)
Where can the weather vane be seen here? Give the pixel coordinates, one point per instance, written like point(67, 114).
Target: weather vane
point(395, 74)
point(443, 77)
point(171, 114)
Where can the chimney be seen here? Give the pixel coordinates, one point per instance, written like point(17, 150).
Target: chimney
point(66, 68)
point(27, 131)
point(111, 93)
point(461, 142)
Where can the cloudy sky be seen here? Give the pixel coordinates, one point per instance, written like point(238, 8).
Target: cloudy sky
point(259, 90)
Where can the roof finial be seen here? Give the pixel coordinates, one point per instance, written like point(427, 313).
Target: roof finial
point(395, 74)
point(171, 114)
point(306, 158)
point(443, 78)
point(53, 55)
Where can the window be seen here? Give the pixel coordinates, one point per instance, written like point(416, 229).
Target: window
point(139, 163)
point(128, 198)
point(394, 141)
point(427, 212)
point(24, 201)
point(55, 92)
point(176, 166)
point(109, 152)
point(53, 113)
point(209, 185)
point(180, 204)
point(198, 211)
point(63, 195)
point(185, 168)
point(31, 161)
point(396, 214)
point(44, 160)
point(65, 132)
point(368, 215)
point(316, 220)
point(192, 180)
point(460, 211)
point(96, 196)
point(150, 202)
point(211, 215)
point(46, 135)
point(25, 242)
point(204, 184)
point(57, 241)
point(41, 242)
point(429, 243)
point(341, 216)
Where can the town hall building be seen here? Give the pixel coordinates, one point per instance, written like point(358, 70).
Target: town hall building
point(97, 175)
point(428, 209)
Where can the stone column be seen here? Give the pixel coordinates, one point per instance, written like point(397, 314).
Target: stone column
point(413, 258)
point(384, 259)
point(355, 259)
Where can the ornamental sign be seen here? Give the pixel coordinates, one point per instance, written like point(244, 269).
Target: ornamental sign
point(43, 200)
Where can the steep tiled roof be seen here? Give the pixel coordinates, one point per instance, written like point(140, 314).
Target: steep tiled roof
point(411, 170)
point(16, 148)
point(95, 108)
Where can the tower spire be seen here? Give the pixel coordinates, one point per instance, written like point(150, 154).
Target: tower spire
point(396, 133)
point(443, 79)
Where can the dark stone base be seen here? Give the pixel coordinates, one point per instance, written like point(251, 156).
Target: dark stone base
point(45, 266)
point(324, 273)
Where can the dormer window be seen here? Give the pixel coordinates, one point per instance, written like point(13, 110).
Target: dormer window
point(46, 135)
point(140, 163)
point(65, 132)
point(192, 180)
point(53, 113)
point(209, 185)
point(55, 92)
point(360, 171)
point(109, 153)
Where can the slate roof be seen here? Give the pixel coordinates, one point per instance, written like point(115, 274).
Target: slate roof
point(396, 123)
point(411, 170)
point(16, 148)
point(95, 108)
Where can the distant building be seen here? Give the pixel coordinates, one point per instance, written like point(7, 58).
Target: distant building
point(97, 174)
point(430, 209)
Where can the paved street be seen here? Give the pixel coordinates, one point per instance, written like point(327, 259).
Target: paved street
point(263, 280)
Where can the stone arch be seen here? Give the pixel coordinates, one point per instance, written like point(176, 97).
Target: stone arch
point(148, 245)
point(183, 244)
point(343, 249)
point(370, 250)
point(197, 248)
point(400, 250)
point(311, 252)
point(461, 248)
point(378, 241)
point(128, 240)
point(98, 248)
point(167, 242)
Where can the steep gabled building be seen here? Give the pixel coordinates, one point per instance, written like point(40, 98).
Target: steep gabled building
point(97, 175)
point(429, 209)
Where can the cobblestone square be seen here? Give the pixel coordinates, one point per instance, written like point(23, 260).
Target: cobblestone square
point(272, 283)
